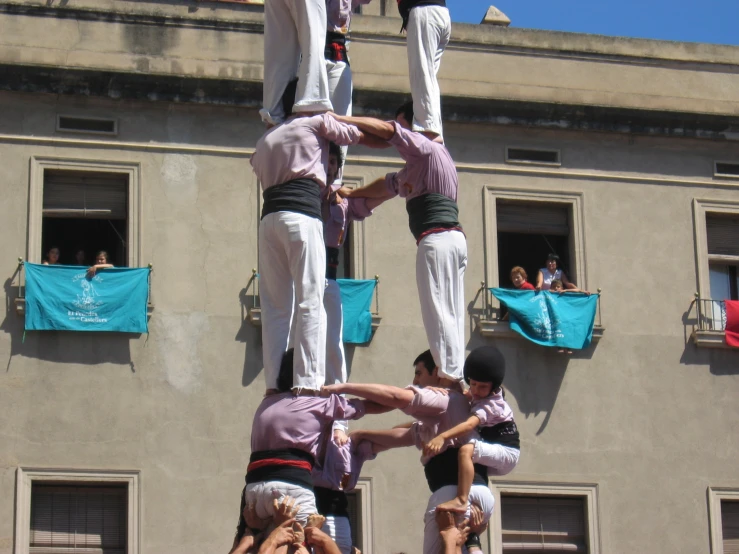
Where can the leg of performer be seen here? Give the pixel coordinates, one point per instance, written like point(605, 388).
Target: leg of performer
point(429, 29)
point(281, 57)
point(441, 261)
point(275, 295)
point(262, 494)
point(312, 94)
point(307, 259)
point(335, 359)
point(340, 87)
point(339, 529)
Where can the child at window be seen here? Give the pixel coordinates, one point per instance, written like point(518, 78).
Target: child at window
point(499, 445)
point(518, 278)
point(101, 262)
point(52, 256)
point(558, 287)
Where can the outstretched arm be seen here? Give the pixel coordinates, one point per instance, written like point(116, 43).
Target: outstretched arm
point(386, 439)
point(381, 129)
point(435, 445)
point(387, 395)
point(376, 189)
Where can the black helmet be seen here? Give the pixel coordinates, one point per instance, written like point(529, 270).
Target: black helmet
point(485, 364)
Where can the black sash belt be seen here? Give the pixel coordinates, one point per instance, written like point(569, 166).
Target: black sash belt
point(505, 433)
point(335, 50)
point(431, 211)
point(332, 262)
point(301, 196)
point(405, 7)
point(441, 471)
point(289, 466)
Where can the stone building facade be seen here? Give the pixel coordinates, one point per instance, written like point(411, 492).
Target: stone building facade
point(620, 154)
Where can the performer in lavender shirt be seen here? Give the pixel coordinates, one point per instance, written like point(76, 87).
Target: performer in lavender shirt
point(290, 162)
point(429, 184)
point(338, 213)
point(285, 439)
point(435, 412)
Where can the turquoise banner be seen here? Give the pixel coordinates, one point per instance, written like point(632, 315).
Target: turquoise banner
point(356, 299)
point(551, 319)
point(65, 298)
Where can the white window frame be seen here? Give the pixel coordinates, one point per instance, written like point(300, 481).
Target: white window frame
point(701, 207)
point(25, 478)
point(573, 200)
point(588, 492)
point(364, 487)
point(715, 496)
point(132, 171)
point(357, 244)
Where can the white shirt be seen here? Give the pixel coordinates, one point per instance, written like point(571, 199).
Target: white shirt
point(549, 277)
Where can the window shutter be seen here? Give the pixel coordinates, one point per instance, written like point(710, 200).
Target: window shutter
point(541, 524)
point(89, 520)
point(83, 194)
point(730, 526)
point(533, 218)
point(723, 234)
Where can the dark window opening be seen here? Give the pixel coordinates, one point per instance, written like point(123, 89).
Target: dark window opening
point(535, 156)
point(354, 508)
point(730, 525)
point(345, 256)
point(85, 211)
point(723, 168)
point(87, 125)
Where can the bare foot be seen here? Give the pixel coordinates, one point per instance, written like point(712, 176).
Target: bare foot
point(315, 520)
point(456, 506)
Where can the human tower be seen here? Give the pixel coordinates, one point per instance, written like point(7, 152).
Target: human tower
point(303, 457)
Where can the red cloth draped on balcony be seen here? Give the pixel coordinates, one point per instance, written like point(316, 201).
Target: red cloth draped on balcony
point(732, 323)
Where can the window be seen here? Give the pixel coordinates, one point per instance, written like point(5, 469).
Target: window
point(88, 518)
point(522, 227)
point(352, 262)
point(717, 250)
point(85, 211)
point(76, 511)
point(545, 518)
point(723, 513)
point(89, 125)
point(87, 206)
point(532, 156)
point(726, 170)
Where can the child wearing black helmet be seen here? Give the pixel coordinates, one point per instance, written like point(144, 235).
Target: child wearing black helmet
point(498, 446)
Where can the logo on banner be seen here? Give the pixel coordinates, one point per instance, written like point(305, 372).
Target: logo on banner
point(87, 301)
point(546, 327)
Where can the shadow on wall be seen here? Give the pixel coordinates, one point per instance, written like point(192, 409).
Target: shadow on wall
point(534, 375)
point(67, 347)
point(251, 336)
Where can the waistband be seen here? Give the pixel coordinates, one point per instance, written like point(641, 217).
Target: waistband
point(442, 471)
point(431, 211)
point(289, 465)
point(332, 262)
point(405, 7)
point(335, 49)
point(505, 434)
point(301, 196)
point(437, 230)
point(330, 502)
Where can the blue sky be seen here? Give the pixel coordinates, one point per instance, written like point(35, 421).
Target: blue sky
point(714, 21)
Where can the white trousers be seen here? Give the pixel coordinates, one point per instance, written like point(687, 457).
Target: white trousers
point(338, 528)
point(340, 92)
point(479, 494)
point(292, 28)
point(500, 459)
point(441, 261)
point(428, 32)
point(335, 358)
point(263, 493)
point(292, 257)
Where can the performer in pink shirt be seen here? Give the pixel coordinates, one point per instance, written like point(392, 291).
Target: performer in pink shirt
point(290, 162)
point(429, 184)
point(435, 412)
point(285, 439)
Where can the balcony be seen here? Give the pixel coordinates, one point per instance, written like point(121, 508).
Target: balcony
point(710, 328)
point(493, 323)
